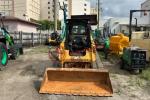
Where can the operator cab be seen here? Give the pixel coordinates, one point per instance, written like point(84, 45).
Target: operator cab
point(78, 38)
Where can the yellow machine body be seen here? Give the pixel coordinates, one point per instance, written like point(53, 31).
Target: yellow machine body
point(65, 57)
point(52, 41)
point(118, 42)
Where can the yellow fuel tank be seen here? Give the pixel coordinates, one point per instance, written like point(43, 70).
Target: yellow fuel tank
point(118, 42)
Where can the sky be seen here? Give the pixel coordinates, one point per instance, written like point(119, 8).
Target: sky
point(118, 8)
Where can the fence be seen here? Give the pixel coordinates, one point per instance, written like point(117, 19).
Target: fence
point(29, 39)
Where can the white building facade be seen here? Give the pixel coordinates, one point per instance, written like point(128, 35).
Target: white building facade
point(24, 9)
point(27, 9)
point(47, 10)
point(117, 25)
point(94, 11)
point(145, 19)
point(81, 7)
point(75, 7)
point(6, 7)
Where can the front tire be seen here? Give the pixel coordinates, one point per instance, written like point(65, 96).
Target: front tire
point(3, 56)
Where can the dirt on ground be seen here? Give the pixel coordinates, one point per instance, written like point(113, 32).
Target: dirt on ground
point(22, 78)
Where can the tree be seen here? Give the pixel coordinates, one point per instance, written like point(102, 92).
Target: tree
point(46, 25)
point(59, 25)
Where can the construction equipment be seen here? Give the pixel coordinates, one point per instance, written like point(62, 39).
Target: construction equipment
point(139, 38)
point(78, 44)
point(54, 39)
point(8, 47)
point(133, 59)
point(99, 40)
point(118, 43)
point(76, 53)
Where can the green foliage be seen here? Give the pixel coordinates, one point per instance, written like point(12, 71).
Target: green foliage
point(59, 25)
point(46, 25)
point(146, 74)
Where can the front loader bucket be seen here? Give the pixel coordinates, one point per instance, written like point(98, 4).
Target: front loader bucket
point(86, 82)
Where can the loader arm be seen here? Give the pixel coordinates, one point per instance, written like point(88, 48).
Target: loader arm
point(7, 36)
point(5, 33)
point(64, 27)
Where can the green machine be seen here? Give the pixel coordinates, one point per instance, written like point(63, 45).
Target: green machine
point(133, 58)
point(7, 46)
point(99, 39)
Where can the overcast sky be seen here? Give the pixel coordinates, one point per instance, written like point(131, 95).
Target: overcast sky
point(118, 8)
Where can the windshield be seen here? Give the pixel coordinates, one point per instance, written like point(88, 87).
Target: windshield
point(78, 29)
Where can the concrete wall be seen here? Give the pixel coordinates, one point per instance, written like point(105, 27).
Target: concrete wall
point(26, 28)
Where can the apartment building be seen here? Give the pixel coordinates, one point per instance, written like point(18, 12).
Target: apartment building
point(27, 9)
point(94, 10)
point(145, 16)
point(75, 7)
point(6, 7)
point(24, 9)
point(80, 7)
point(47, 10)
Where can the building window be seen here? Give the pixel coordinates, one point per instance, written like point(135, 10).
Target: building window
point(48, 7)
point(84, 9)
point(49, 17)
point(85, 4)
point(84, 13)
point(48, 2)
point(48, 12)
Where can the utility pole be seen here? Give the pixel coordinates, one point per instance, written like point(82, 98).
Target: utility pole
point(99, 13)
point(13, 8)
point(98, 5)
point(55, 15)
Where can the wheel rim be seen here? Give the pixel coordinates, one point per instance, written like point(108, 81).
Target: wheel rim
point(3, 56)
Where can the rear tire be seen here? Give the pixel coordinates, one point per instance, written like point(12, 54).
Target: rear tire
point(20, 47)
point(135, 71)
point(140, 71)
point(14, 50)
point(21, 51)
point(122, 64)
